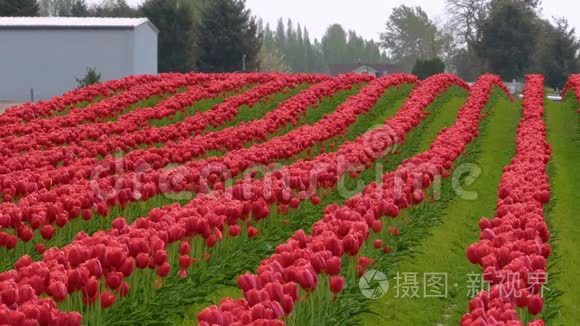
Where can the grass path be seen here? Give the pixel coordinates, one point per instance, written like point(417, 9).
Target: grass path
point(562, 122)
point(442, 248)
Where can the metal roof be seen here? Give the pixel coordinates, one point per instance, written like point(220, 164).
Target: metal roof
point(72, 23)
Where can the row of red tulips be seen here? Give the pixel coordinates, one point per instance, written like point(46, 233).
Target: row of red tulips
point(23, 137)
point(513, 245)
point(114, 254)
point(79, 160)
point(81, 198)
point(272, 292)
point(83, 140)
point(51, 147)
point(46, 109)
point(573, 86)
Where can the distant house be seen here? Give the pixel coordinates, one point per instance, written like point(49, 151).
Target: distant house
point(45, 55)
point(373, 69)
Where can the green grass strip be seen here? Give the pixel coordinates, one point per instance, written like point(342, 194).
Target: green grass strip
point(563, 125)
point(247, 113)
point(79, 105)
point(198, 106)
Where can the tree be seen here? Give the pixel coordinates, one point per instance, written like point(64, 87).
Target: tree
point(410, 35)
point(508, 37)
point(467, 65)
point(466, 18)
point(281, 35)
point(227, 36)
point(16, 8)
point(79, 9)
point(113, 8)
point(91, 77)
point(559, 55)
point(334, 46)
point(426, 68)
point(176, 43)
point(272, 61)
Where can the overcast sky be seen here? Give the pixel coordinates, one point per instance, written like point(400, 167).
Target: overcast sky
point(368, 17)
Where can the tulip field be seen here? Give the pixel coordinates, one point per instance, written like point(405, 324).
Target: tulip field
point(274, 199)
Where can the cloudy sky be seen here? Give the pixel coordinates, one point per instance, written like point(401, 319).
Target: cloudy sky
point(368, 17)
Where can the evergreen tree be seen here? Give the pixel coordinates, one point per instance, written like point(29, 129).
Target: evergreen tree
point(175, 22)
point(91, 77)
point(300, 52)
point(269, 41)
point(227, 35)
point(281, 36)
point(113, 8)
point(79, 9)
point(559, 54)
point(508, 38)
point(334, 45)
point(291, 46)
point(310, 54)
point(426, 68)
point(16, 8)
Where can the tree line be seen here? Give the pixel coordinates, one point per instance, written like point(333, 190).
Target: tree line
point(290, 48)
point(506, 37)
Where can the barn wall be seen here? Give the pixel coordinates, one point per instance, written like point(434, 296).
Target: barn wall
point(49, 61)
point(145, 50)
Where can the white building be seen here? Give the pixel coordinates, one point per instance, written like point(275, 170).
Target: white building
point(46, 55)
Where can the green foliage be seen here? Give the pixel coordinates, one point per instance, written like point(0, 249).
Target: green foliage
point(271, 60)
point(426, 68)
point(467, 65)
point(227, 36)
point(563, 134)
point(18, 8)
point(334, 44)
point(91, 77)
point(80, 8)
point(508, 39)
point(410, 35)
point(113, 8)
point(559, 53)
point(301, 54)
point(175, 22)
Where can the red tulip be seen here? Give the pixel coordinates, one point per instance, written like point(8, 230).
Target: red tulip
point(252, 232)
point(163, 269)
point(114, 280)
point(107, 299)
point(535, 304)
point(336, 284)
